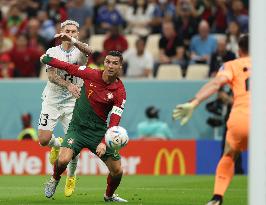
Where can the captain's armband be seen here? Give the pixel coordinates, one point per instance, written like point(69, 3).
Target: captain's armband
point(117, 110)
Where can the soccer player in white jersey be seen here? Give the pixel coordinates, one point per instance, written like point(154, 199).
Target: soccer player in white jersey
point(60, 93)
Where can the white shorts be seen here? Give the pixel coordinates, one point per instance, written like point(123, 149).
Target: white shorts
point(53, 112)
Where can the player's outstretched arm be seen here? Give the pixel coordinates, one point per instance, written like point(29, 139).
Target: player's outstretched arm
point(56, 79)
point(183, 112)
point(83, 47)
point(78, 71)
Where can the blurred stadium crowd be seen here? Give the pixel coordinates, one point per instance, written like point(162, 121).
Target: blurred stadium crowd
point(163, 39)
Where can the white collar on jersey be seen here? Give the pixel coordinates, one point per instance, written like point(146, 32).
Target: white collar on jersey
point(66, 51)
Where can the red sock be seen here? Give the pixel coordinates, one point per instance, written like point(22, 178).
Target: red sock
point(58, 170)
point(112, 184)
point(224, 175)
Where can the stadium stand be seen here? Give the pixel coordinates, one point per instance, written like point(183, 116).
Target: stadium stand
point(96, 41)
point(197, 72)
point(152, 44)
point(169, 72)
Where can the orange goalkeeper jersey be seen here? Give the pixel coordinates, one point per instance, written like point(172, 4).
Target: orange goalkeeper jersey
point(238, 73)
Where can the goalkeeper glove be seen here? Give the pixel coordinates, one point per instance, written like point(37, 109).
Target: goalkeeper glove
point(183, 112)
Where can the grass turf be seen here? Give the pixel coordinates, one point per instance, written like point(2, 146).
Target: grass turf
point(141, 190)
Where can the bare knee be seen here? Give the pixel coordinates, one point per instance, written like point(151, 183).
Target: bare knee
point(44, 137)
point(229, 151)
point(63, 160)
point(65, 156)
point(117, 171)
point(114, 166)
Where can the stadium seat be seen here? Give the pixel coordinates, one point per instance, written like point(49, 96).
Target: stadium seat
point(169, 72)
point(96, 41)
point(197, 72)
point(131, 40)
point(153, 44)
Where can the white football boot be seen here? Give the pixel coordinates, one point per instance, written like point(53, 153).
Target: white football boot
point(114, 198)
point(50, 187)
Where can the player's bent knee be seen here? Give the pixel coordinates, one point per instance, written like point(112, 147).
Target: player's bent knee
point(44, 137)
point(229, 151)
point(233, 154)
point(43, 141)
point(64, 160)
point(117, 171)
point(65, 155)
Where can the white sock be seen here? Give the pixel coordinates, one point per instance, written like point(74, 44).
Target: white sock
point(72, 166)
point(57, 143)
point(54, 142)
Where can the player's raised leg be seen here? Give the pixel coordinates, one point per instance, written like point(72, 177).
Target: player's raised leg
point(113, 180)
point(60, 166)
point(46, 138)
point(70, 183)
point(48, 119)
point(55, 150)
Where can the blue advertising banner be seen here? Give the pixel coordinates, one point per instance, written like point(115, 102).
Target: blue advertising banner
point(208, 154)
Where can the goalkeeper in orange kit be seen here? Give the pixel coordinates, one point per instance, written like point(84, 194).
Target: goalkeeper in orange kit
point(236, 73)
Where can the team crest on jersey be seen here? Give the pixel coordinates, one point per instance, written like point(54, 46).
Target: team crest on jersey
point(70, 141)
point(110, 96)
point(82, 67)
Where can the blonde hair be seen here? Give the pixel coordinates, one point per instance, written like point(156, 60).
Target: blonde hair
point(69, 22)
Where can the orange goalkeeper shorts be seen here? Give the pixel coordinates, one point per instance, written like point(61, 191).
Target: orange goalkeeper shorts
point(238, 131)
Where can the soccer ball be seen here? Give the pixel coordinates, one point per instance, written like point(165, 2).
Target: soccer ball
point(116, 137)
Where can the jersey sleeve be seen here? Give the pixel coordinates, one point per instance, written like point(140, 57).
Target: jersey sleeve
point(226, 70)
point(118, 107)
point(50, 53)
point(76, 70)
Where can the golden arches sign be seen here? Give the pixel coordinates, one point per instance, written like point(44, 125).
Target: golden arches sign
point(169, 160)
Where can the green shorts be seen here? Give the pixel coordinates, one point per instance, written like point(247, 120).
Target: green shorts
point(79, 137)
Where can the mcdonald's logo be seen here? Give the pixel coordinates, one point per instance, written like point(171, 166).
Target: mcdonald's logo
point(170, 161)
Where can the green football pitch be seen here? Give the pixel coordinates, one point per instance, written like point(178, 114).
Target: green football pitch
point(164, 190)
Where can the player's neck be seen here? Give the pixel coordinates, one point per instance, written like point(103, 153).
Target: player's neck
point(243, 55)
point(108, 79)
point(66, 46)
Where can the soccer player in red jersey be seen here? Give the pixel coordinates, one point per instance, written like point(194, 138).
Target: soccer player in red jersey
point(103, 92)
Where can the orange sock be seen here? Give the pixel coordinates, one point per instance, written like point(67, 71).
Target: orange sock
point(224, 175)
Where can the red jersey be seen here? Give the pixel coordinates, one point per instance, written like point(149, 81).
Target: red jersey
point(103, 98)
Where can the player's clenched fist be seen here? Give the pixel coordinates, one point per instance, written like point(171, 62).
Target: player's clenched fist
point(101, 149)
point(74, 90)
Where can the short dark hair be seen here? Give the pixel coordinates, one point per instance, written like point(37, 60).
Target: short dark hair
point(117, 54)
point(243, 43)
point(152, 112)
point(142, 38)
